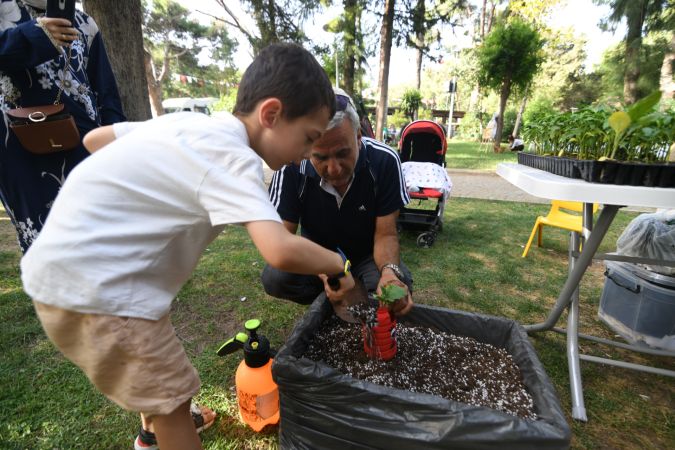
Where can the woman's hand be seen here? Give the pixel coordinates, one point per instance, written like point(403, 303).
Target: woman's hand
point(61, 30)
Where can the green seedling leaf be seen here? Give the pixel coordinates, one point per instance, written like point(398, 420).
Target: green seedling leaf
point(645, 105)
point(647, 131)
point(390, 293)
point(619, 121)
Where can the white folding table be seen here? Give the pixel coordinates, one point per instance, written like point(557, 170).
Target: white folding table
point(547, 185)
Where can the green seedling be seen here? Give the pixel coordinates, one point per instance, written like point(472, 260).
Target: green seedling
point(390, 293)
point(640, 132)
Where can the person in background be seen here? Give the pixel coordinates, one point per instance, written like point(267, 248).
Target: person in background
point(348, 196)
point(515, 144)
point(33, 54)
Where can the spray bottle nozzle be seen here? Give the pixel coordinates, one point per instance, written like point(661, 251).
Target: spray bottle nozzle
point(251, 326)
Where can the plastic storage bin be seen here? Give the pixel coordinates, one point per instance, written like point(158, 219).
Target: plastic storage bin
point(639, 305)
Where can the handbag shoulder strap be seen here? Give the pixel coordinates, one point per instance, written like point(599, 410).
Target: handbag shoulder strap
point(66, 68)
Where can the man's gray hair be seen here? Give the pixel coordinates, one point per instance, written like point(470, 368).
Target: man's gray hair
point(349, 113)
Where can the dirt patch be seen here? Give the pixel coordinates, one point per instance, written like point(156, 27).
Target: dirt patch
point(8, 242)
point(197, 330)
point(429, 361)
point(487, 261)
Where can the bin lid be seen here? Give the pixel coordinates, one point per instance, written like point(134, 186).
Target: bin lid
point(641, 272)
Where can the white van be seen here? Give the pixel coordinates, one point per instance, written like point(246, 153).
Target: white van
point(201, 105)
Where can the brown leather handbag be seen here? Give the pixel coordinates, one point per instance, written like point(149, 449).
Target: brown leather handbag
point(45, 129)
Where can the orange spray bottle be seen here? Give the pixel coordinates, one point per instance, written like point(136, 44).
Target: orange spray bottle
point(257, 393)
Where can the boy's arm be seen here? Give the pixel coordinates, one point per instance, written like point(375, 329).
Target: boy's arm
point(290, 253)
point(98, 138)
point(102, 136)
point(291, 227)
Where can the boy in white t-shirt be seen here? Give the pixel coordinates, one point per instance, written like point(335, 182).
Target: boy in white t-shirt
point(132, 221)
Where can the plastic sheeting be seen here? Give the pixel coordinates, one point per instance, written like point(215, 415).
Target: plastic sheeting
point(650, 236)
point(322, 408)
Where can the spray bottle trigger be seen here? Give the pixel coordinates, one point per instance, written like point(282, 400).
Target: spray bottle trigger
point(232, 345)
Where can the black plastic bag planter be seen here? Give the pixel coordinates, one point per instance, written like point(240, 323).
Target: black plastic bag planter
point(322, 408)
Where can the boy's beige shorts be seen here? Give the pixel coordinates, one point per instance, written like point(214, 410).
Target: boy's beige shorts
point(137, 363)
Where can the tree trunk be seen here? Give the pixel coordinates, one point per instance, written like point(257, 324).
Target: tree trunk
point(154, 86)
point(666, 82)
point(385, 56)
point(359, 43)
point(264, 14)
point(420, 12)
point(505, 92)
point(519, 117)
point(633, 43)
point(349, 34)
point(483, 10)
point(419, 56)
point(120, 25)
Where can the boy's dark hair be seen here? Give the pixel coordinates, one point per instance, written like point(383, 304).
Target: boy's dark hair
point(291, 74)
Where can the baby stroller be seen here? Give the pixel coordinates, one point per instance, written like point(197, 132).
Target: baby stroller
point(422, 149)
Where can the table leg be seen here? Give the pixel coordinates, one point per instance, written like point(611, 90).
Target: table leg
point(576, 388)
point(590, 247)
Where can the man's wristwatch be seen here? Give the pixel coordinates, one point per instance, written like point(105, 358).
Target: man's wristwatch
point(394, 268)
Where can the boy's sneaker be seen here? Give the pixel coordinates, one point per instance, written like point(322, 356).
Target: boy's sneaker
point(145, 441)
point(202, 417)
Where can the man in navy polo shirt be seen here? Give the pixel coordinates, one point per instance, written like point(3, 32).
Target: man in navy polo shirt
point(346, 196)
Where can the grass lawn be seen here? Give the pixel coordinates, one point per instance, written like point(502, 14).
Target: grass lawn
point(474, 155)
point(475, 265)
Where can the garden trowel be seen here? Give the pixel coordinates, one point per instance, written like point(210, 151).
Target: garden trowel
point(357, 295)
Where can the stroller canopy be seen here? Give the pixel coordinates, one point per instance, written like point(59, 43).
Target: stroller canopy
point(423, 141)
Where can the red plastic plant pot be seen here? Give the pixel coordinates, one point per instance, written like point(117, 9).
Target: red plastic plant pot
point(380, 341)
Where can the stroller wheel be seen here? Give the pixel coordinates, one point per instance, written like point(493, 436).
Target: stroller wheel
point(426, 240)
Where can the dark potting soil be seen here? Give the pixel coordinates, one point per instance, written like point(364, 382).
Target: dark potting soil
point(428, 361)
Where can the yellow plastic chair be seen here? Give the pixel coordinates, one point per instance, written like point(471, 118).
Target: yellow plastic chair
point(556, 217)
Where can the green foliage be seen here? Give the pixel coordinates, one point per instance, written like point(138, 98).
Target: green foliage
point(637, 134)
point(226, 102)
point(536, 109)
point(510, 53)
point(398, 119)
point(410, 103)
point(580, 90)
point(469, 127)
point(276, 21)
point(509, 123)
point(390, 293)
point(611, 69)
point(175, 41)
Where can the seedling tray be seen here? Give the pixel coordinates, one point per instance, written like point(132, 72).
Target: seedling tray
point(604, 172)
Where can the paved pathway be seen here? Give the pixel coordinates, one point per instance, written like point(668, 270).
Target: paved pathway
point(487, 185)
